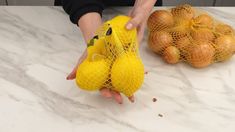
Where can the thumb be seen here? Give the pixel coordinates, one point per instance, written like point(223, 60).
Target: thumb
point(72, 75)
point(133, 23)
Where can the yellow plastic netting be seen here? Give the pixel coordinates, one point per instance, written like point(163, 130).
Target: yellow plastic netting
point(113, 60)
point(184, 33)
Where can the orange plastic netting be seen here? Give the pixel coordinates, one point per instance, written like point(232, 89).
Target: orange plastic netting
point(187, 34)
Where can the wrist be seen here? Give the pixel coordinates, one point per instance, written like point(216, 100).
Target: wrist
point(145, 5)
point(89, 23)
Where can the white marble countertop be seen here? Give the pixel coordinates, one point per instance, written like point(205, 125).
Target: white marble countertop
point(38, 48)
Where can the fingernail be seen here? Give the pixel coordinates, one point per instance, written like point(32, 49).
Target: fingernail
point(107, 95)
point(129, 26)
point(68, 77)
point(132, 101)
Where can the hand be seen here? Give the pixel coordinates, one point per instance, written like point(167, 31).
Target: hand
point(72, 75)
point(139, 14)
point(105, 92)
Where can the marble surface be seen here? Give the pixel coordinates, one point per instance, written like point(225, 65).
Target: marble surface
point(38, 48)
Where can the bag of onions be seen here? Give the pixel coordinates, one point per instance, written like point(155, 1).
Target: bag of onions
point(187, 34)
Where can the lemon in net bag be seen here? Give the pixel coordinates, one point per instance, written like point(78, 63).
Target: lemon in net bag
point(93, 71)
point(119, 60)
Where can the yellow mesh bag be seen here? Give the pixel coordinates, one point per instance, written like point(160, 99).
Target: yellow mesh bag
point(113, 60)
point(184, 33)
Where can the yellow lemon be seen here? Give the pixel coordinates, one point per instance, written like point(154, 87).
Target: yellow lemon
point(126, 37)
point(127, 74)
point(91, 75)
point(94, 70)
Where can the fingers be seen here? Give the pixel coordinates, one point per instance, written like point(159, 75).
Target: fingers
point(72, 75)
point(105, 92)
point(140, 34)
point(132, 99)
point(138, 21)
point(108, 93)
point(141, 30)
point(117, 96)
point(134, 22)
point(130, 12)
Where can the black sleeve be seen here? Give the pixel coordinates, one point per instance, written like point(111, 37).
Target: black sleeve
point(77, 8)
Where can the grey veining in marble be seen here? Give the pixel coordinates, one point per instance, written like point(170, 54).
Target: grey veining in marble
point(38, 48)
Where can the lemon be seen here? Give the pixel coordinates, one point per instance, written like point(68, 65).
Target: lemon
point(126, 37)
point(112, 60)
point(127, 74)
point(91, 75)
point(94, 70)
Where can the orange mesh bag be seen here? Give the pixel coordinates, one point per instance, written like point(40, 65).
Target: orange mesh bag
point(184, 33)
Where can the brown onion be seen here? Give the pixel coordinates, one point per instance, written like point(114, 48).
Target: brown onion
point(158, 41)
point(182, 44)
point(178, 32)
point(159, 20)
point(171, 55)
point(204, 20)
point(224, 47)
point(202, 34)
point(201, 54)
point(224, 29)
point(185, 12)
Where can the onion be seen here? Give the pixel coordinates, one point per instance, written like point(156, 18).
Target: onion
point(178, 32)
point(224, 29)
point(204, 20)
point(201, 54)
point(182, 23)
point(225, 46)
point(202, 34)
point(182, 44)
point(185, 12)
point(171, 55)
point(233, 47)
point(158, 41)
point(159, 20)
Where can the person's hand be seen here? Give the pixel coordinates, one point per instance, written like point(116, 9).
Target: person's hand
point(139, 14)
point(72, 75)
point(88, 24)
point(105, 92)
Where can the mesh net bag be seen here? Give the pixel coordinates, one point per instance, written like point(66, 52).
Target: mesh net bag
point(113, 60)
point(184, 33)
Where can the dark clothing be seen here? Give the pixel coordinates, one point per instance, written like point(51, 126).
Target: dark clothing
point(77, 8)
